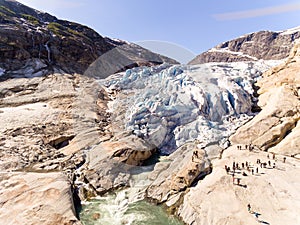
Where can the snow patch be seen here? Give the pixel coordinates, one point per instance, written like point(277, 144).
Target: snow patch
point(120, 41)
point(225, 50)
point(290, 31)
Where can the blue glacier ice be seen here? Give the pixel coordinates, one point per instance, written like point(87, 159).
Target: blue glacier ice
point(171, 105)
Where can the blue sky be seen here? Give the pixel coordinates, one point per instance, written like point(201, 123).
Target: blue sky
point(192, 25)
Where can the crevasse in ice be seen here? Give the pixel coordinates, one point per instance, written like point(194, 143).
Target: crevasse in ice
point(171, 105)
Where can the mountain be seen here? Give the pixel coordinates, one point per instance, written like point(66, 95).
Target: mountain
point(34, 43)
point(163, 133)
point(266, 45)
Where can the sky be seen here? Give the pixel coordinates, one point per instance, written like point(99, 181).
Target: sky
point(176, 28)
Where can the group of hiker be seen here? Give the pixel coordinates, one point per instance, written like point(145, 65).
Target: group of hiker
point(249, 147)
point(246, 165)
point(250, 168)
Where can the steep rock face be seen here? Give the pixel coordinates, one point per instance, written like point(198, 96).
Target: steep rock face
point(36, 198)
point(177, 172)
point(40, 44)
point(265, 45)
point(277, 124)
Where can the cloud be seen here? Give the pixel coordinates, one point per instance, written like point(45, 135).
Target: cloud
point(258, 12)
point(53, 4)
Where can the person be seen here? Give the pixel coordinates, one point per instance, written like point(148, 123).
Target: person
point(238, 181)
point(196, 154)
point(252, 171)
point(273, 155)
point(243, 165)
point(284, 158)
point(249, 208)
point(256, 169)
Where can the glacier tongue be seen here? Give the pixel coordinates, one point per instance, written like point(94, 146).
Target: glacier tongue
point(171, 105)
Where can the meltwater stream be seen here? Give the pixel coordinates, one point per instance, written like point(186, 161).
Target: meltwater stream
point(126, 207)
point(138, 213)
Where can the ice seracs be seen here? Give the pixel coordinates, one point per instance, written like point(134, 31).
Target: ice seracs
point(1, 71)
point(171, 105)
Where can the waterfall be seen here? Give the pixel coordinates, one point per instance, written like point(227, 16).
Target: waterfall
point(49, 51)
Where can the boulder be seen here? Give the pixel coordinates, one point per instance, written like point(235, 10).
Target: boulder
point(109, 164)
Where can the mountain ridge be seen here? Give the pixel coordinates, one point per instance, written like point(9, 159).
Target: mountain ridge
point(55, 44)
point(267, 45)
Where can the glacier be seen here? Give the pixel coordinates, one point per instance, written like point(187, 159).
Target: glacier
point(2, 71)
point(170, 105)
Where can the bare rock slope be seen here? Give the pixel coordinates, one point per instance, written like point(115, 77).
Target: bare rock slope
point(266, 45)
point(47, 196)
point(271, 192)
point(276, 127)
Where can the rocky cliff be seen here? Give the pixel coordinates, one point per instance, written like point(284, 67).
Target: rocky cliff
point(276, 127)
point(266, 45)
point(34, 43)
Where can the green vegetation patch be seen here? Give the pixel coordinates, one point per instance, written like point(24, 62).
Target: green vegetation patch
point(31, 19)
point(6, 11)
point(61, 30)
point(2, 14)
point(56, 28)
